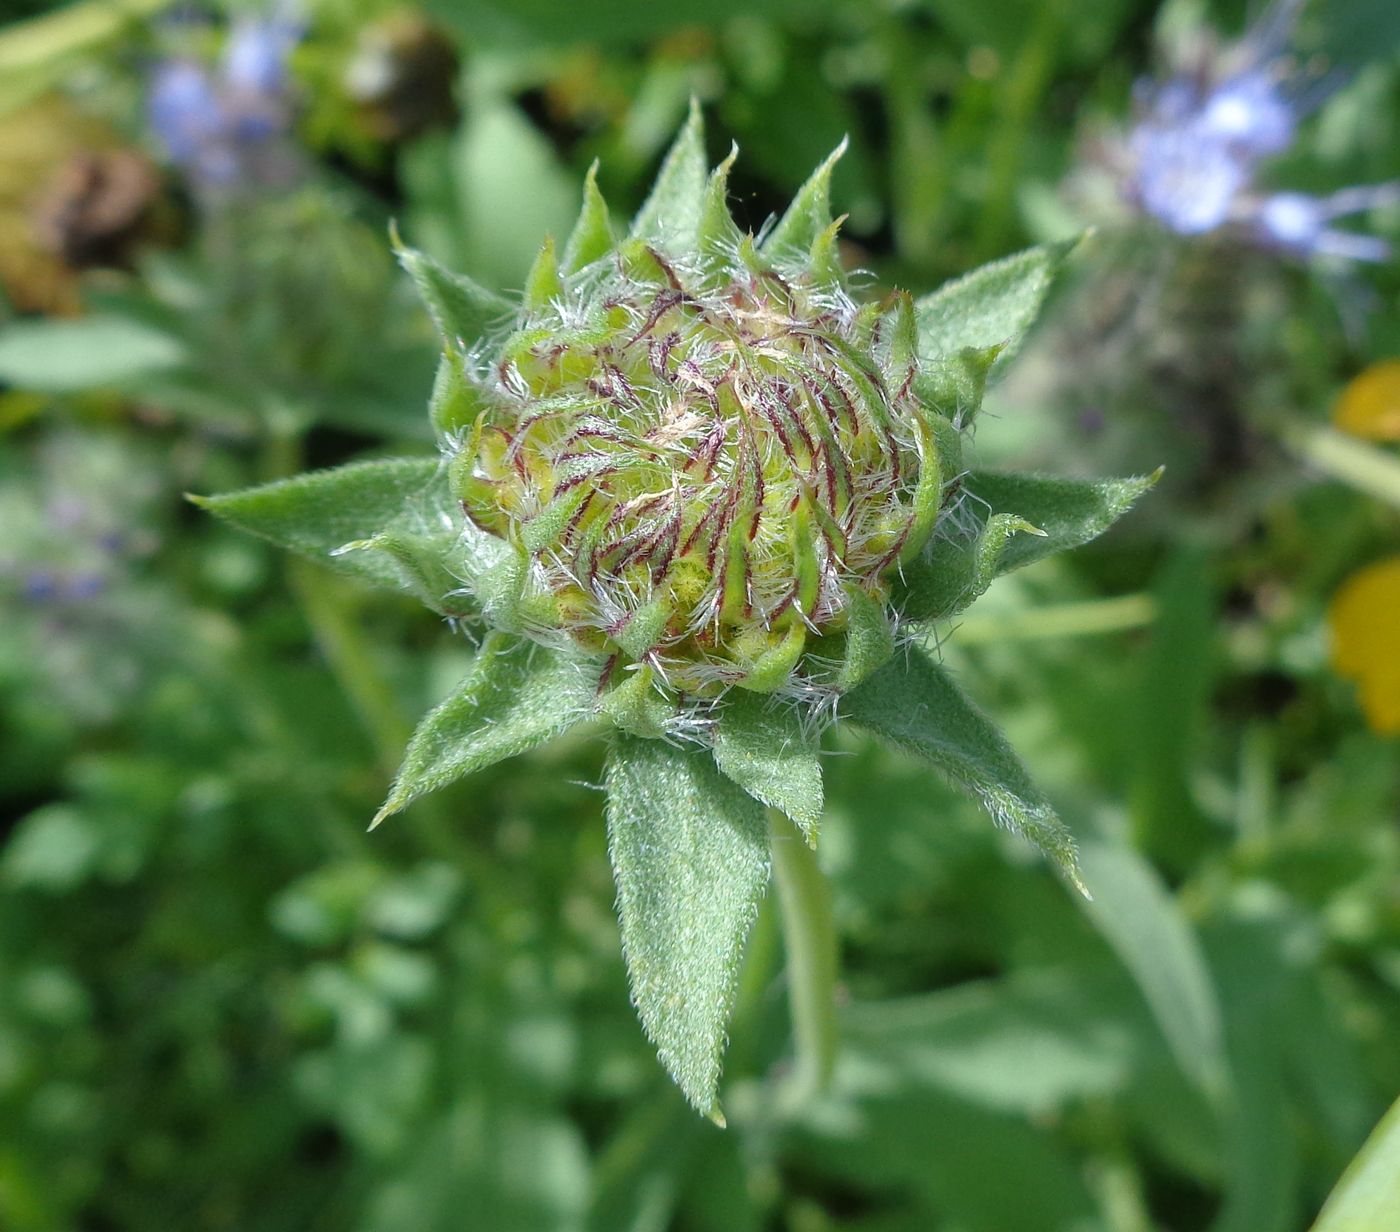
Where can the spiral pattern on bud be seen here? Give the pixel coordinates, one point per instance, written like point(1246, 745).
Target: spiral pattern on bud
point(702, 461)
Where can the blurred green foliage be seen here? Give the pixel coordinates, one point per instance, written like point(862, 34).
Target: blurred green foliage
point(223, 1005)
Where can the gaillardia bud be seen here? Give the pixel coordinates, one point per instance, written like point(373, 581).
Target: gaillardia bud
point(702, 456)
point(692, 488)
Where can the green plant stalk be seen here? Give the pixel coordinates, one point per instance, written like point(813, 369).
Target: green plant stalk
point(1090, 618)
point(354, 667)
point(809, 939)
point(1026, 81)
point(918, 174)
point(1354, 462)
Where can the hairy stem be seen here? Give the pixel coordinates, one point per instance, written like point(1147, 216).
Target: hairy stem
point(809, 938)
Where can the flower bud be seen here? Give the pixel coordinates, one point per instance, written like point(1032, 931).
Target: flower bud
point(705, 455)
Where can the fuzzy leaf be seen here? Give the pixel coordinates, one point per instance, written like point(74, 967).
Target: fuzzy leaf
point(954, 385)
point(461, 309)
point(690, 854)
point(992, 306)
point(517, 695)
point(808, 215)
point(1005, 512)
point(1070, 511)
point(592, 235)
point(914, 704)
point(762, 746)
point(671, 214)
point(542, 283)
point(455, 401)
point(717, 234)
point(391, 523)
point(869, 638)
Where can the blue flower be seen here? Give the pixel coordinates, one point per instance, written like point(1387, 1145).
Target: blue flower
point(184, 109)
point(255, 56)
point(1297, 222)
point(1188, 185)
point(223, 126)
point(1192, 158)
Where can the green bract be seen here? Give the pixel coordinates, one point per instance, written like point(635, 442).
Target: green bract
point(697, 491)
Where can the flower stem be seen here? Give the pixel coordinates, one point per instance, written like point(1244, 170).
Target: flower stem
point(1354, 462)
point(352, 663)
point(809, 937)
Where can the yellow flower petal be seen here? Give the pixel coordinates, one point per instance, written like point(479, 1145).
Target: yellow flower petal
point(1370, 405)
point(1365, 620)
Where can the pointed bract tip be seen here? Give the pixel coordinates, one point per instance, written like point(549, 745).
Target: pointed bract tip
point(715, 1115)
point(387, 810)
point(542, 283)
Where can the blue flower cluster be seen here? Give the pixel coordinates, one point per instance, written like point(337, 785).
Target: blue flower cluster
point(224, 126)
point(1191, 159)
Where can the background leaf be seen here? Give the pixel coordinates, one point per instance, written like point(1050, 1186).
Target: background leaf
point(1138, 917)
point(62, 356)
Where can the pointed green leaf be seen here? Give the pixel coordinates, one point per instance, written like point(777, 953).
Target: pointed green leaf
point(761, 744)
point(461, 309)
point(915, 705)
point(636, 705)
point(592, 236)
point(955, 385)
point(455, 402)
point(1367, 1198)
point(517, 695)
point(809, 214)
point(1003, 523)
point(718, 234)
point(542, 284)
point(955, 568)
point(1070, 512)
point(671, 213)
point(690, 854)
point(392, 523)
point(992, 306)
point(824, 259)
point(869, 638)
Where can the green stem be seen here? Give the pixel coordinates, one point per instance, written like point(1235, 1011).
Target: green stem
point(350, 661)
point(1089, 618)
point(1363, 466)
point(918, 178)
point(1021, 93)
point(809, 937)
point(353, 664)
